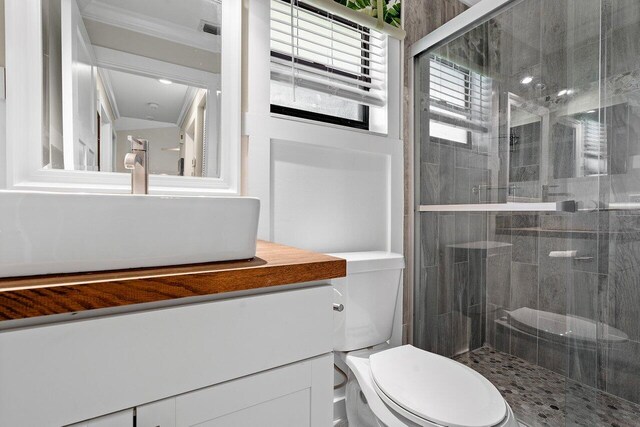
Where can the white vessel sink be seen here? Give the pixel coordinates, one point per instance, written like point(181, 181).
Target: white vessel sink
point(46, 233)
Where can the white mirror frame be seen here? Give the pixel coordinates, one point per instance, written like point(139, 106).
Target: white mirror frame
point(23, 27)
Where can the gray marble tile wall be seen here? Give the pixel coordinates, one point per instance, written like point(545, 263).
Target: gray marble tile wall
point(617, 294)
point(420, 17)
point(450, 293)
point(618, 302)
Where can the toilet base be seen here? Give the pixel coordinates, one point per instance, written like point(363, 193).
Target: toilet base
point(358, 411)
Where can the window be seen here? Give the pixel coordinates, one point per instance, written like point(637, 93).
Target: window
point(324, 67)
point(459, 102)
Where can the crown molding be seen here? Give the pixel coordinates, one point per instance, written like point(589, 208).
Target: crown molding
point(122, 18)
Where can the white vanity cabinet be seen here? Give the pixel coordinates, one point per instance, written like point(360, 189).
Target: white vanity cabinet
point(261, 359)
point(294, 395)
point(289, 396)
point(119, 419)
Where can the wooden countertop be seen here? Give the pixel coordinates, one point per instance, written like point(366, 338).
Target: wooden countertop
point(274, 265)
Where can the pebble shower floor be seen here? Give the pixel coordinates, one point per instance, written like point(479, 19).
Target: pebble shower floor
point(540, 397)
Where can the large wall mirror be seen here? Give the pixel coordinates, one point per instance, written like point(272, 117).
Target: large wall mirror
point(149, 69)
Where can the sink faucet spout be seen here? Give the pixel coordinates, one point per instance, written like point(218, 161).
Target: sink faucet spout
point(138, 162)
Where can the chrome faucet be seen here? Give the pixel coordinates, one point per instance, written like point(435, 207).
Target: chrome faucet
point(138, 162)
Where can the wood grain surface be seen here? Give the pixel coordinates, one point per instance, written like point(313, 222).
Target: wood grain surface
point(274, 265)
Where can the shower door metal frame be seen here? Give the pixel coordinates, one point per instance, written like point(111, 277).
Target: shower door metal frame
point(480, 12)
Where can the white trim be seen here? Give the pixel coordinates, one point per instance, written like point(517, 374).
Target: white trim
point(105, 76)
point(189, 96)
point(3, 93)
point(231, 96)
point(24, 112)
point(482, 10)
point(135, 64)
point(75, 40)
point(493, 207)
point(121, 18)
point(23, 27)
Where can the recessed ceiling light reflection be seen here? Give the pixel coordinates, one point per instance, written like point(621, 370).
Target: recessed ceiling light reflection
point(526, 80)
point(563, 92)
point(165, 81)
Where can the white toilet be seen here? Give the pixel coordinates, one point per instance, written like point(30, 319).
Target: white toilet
point(401, 386)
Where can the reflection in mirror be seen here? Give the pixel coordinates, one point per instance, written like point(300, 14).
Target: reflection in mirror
point(115, 68)
point(580, 145)
point(525, 132)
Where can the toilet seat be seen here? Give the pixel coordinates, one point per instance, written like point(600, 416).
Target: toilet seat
point(391, 414)
point(423, 386)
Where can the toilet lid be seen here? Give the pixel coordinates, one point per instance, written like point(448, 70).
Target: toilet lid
point(436, 388)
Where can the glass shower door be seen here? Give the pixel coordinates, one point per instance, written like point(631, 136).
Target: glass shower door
point(607, 368)
point(528, 140)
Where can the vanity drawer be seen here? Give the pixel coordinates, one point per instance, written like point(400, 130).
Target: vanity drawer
point(80, 370)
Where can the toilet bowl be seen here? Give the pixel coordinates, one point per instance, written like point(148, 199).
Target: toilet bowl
point(403, 385)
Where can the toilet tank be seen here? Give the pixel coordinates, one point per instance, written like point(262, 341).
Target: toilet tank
point(368, 294)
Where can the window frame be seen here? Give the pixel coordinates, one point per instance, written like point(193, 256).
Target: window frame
point(320, 117)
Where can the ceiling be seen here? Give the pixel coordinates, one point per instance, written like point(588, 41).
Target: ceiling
point(185, 13)
point(132, 95)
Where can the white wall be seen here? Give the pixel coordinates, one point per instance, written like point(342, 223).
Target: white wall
point(321, 187)
point(3, 130)
point(329, 199)
point(1, 33)
point(3, 149)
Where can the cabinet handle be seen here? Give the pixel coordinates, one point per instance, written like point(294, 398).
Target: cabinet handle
point(338, 307)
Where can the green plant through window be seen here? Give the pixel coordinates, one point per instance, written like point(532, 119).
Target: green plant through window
point(390, 9)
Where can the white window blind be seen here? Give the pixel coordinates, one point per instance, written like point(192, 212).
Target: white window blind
point(459, 101)
point(594, 147)
point(315, 50)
